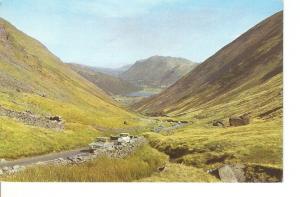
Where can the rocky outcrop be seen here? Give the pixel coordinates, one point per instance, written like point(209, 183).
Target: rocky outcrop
point(239, 121)
point(11, 170)
point(27, 117)
point(247, 173)
point(218, 123)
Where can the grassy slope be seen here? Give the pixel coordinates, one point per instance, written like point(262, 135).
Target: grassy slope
point(260, 93)
point(111, 84)
point(28, 71)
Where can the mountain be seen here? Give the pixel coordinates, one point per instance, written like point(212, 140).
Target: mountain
point(35, 85)
point(110, 84)
point(157, 71)
point(243, 77)
point(113, 71)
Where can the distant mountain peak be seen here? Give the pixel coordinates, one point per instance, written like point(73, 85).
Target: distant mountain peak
point(158, 71)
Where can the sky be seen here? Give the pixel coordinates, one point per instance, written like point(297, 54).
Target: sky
point(113, 33)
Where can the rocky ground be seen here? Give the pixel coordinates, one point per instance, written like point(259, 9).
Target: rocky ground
point(51, 122)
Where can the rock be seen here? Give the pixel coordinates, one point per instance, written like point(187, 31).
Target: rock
point(161, 168)
point(113, 137)
point(239, 121)
point(55, 118)
point(227, 174)
point(239, 171)
point(102, 139)
point(218, 123)
point(1, 172)
point(5, 169)
point(18, 168)
point(2, 161)
point(124, 140)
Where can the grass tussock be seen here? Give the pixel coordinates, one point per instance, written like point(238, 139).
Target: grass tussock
point(180, 173)
point(141, 164)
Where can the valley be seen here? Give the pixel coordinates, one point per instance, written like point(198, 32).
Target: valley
point(215, 121)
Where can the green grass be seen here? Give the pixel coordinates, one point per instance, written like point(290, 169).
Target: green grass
point(259, 143)
point(141, 164)
point(180, 173)
point(19, 140)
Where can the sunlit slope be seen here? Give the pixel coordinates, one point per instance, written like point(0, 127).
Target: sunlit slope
point(243, 77)
point(33, 79)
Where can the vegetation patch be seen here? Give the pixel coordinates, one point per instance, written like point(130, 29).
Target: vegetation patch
point(141, 164)
point(180, 173)
point(210, 148)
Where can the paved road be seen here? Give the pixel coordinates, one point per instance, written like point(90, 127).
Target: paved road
point(43, 158)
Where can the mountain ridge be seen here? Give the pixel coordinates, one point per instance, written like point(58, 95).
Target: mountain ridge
point(251, 60)
point(157, 71)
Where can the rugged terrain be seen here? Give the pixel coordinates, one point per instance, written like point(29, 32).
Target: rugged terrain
point(221, 121)
point(112, 85)
point(157, 71)
point(242, 81)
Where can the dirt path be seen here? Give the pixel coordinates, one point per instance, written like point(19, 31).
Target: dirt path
point(43, 158)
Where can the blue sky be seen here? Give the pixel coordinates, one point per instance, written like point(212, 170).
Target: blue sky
point(112, 33)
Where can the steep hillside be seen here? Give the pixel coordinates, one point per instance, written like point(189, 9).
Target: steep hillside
point(243, 77)
point(35, 85)
point(110, 84)
point(157, 71)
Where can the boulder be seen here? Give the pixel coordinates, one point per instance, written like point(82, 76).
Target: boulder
point(162, 168)
point(113, 138)
point(218, 123)
point(239, 171)
point(2, 161)
point(239, 121)
point(124, 135)
point(5, 169)
point(1, 172)
point(227, 175)
point(55, 118)
point(102, 139)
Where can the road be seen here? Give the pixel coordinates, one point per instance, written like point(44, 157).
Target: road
point(42, 158)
